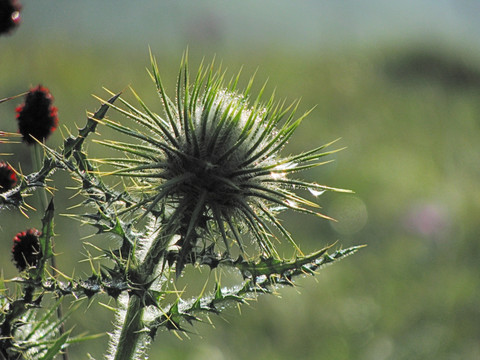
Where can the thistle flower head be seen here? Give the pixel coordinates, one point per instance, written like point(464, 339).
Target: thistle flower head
point(26, 249)
point(8, 177)
point(213, 163)
point(37, 117)
point(9, 15)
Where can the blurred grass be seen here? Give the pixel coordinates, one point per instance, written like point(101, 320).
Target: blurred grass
point(413, 160)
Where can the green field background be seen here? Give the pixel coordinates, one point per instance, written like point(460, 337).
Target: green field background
point(407, 109)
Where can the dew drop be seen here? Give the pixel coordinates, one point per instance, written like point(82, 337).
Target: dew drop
point(261, 278)
point(316, 192)
point(16, 17)
point(277, 175)
point(291, 203)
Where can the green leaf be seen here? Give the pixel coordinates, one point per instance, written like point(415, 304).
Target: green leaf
point(44, 320)
point(56, 347)
point(45, 240)
point(47, 230)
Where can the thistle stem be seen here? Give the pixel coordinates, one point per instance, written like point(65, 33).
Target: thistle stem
point(131, 327)
point(37, 155)
point(128, 342)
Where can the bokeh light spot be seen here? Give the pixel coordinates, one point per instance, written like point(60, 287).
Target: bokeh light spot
point(351, 214)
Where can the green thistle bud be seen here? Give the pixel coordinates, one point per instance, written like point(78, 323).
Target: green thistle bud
point(213, 163)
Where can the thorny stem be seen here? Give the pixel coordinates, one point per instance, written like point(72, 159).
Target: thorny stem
point(128, 341)
point(38, 155)
point(130, 334)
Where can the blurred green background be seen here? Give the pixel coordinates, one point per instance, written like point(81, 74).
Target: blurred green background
point(399, 82)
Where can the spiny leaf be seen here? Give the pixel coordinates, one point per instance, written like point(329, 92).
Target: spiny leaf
point(72, 144)
point(260, 276)
point(285, 269)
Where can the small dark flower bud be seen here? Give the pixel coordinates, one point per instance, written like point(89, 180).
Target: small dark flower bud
point(8, 178)
point(37, 118)
point(9, 15)
point(26, 249)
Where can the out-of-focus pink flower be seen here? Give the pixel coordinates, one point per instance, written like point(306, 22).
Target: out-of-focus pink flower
point(428, 220)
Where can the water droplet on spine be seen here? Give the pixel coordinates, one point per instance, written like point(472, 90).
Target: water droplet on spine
point(316, 192)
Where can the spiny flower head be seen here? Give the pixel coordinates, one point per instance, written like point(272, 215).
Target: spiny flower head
point(213, 163)
point(9, 15)
point(8, 177)
point(37, 117)
point(26, 249)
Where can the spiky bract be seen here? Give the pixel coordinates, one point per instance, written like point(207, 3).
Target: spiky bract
point(213, 163)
